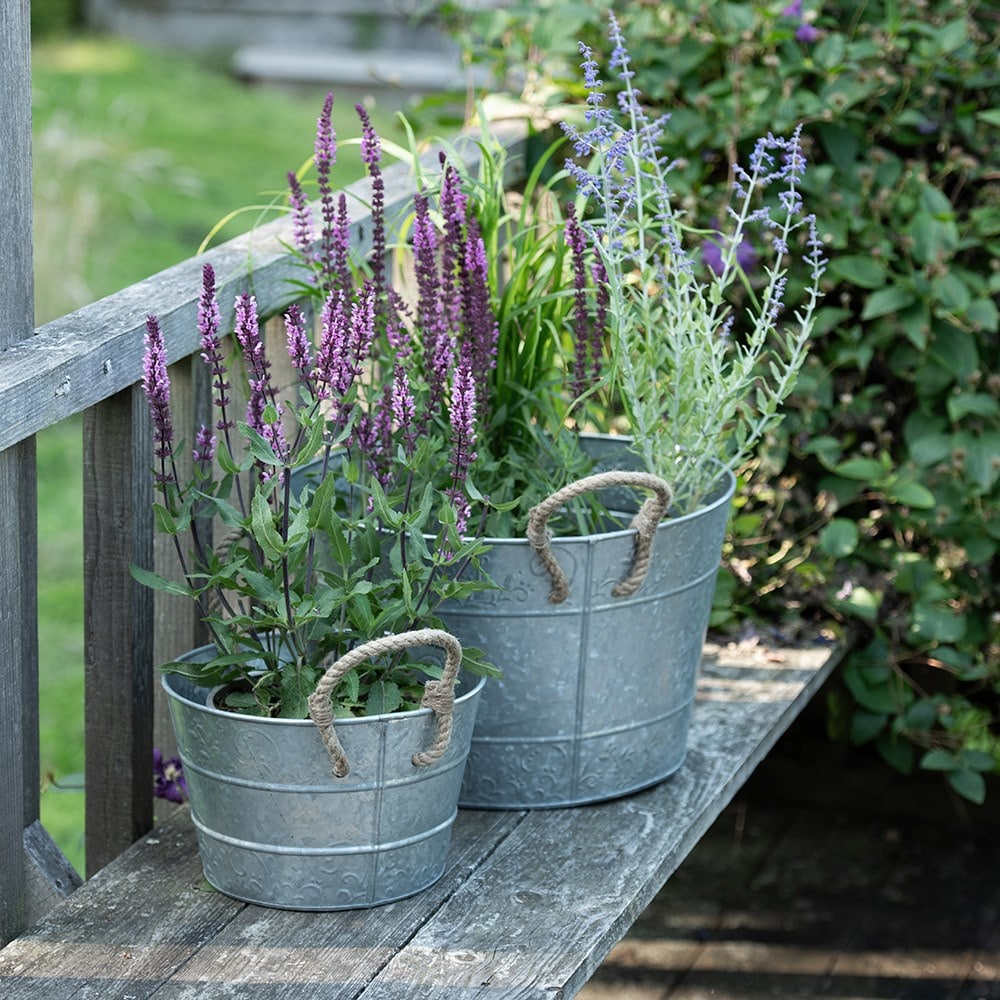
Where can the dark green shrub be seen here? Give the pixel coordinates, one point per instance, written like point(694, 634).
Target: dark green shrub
point(879, 505)
point(55, 17)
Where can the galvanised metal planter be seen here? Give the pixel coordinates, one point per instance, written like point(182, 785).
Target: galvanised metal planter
point(598, 690)
point(277, 828)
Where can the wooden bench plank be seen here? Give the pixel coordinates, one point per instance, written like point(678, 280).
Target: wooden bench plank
point(530, 905)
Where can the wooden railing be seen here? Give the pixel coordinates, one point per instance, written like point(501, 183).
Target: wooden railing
point(90, 362)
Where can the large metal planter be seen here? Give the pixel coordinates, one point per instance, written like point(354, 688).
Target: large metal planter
point(275, 827)
point(598, 691)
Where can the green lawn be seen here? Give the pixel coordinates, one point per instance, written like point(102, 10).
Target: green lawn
point(137, 154)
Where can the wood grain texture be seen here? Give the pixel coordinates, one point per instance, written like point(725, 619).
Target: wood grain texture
point(528, 908)
point(118, 629)
point(18, 636)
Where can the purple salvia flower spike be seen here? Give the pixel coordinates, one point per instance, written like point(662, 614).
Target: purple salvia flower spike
point(396, 332)
point(403, 407)
point(204, 447)
point(258, 376)
point(211, 347)
point(363, 322)
point(248, 335)
point(299, 347)
point(302, 220)
point(576, 241)
point(340, 269)
point(453, 211)
point(371, 154)
point(156, 385)
point(479, 344)
point(334, 371)
point(600, 323)
point(325, 156)
point(463, 436)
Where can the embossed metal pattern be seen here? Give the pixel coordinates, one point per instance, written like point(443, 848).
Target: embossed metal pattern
point(276, 828)
point(597, 693)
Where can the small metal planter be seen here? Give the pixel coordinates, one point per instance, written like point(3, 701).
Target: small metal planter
point(275, 827)
point(598, 691)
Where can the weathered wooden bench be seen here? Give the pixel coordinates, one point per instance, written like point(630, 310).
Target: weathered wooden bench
point(529, 906)
point(531, 901)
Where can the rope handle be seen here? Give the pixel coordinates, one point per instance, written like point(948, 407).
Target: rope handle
point(645, 523)
point(439, 695)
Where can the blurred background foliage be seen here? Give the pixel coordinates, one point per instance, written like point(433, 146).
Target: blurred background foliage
point(877, 505)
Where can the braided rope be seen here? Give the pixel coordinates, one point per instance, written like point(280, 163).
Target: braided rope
point(645, 523)
point(439, 695)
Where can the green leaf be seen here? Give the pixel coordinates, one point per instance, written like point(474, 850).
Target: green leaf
point(296, 686)
point(977, 760)
point(951, 36)
point(860, 270)
point(226, 462)
point(951, 292)
point(383, 697)
point(939, 760)
point(827, 448)
point(990, 116)
point(956, 351)
point(980, 404)
point(240, 700)
point(981, 450)
point(861, 603)
point(892, 299)
point(878, 692)
point(157, 582)
point(865, 726)
point(983, 313)
point(969, 784)
point(937, 622)
point(931, 447)
point(912, 494)
point(259, 446)
point(166, 523)
point(839, 538)
point(264, 531)
point(349, 687)
point(921, 714)
point(263, 587)
point(868, 470)
point(896, 753)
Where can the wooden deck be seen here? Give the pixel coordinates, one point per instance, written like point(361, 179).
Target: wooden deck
point(529, 906)
point(829, 875)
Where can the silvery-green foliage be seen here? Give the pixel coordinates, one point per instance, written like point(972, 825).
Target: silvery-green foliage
point(699, 383)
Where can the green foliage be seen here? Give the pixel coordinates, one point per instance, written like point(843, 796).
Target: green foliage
point(321, 559)
point(132, 165)
point(878, 502)
point(55, 17)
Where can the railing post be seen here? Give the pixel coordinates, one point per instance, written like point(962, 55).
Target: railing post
point(18, 532)
point(118, 641)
